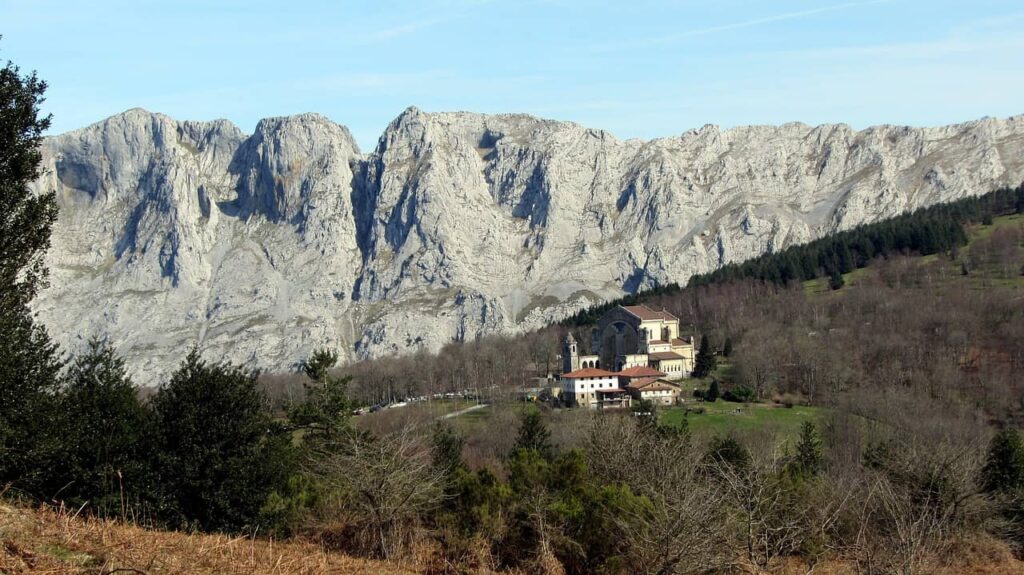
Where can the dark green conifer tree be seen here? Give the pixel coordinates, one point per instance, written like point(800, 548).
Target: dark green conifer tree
point(105, 435)
point(809, 458)
point(534, 435)
point(704, 363)
point(835, 280)
point(325, 413)
point(727, 451)
point(1004, 465)
point(714, 392)
point(218, 452)
point(29, 365)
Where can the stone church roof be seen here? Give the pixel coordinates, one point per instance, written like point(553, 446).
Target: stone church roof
point(645, 313)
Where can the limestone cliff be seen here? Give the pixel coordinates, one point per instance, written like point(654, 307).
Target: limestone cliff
point(260, 247)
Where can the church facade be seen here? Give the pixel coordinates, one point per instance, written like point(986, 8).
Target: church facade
point(638, 336)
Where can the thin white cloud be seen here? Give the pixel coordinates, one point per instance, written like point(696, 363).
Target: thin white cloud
point(673, 38)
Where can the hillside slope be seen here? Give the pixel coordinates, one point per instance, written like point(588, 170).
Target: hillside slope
point(48, 542)
point(260, 247)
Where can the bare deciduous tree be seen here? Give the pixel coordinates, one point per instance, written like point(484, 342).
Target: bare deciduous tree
point(679, 525)
point(384, 485)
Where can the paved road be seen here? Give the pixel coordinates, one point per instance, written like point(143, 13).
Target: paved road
point(455, 414)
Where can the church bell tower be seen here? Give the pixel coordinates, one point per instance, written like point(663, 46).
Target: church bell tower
point(570, 354)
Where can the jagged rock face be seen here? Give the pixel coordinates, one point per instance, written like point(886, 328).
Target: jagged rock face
point(259, 248)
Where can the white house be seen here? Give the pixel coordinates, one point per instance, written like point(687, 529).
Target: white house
point(592, 387)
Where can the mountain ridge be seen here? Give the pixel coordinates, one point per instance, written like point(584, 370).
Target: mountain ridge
point(259, 247)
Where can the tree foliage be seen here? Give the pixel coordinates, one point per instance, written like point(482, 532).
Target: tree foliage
point(930, 230)
point(106, 434)
point(29, 365)
point(713, 392)
point(534, 435)
point(809, 458)
point(220, 455)
point(705, 361)
point(1004, 465)
point(325, 413)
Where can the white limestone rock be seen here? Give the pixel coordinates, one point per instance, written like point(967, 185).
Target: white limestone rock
point(259, 248)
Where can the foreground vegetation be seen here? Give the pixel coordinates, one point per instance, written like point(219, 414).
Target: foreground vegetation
point(63, 542)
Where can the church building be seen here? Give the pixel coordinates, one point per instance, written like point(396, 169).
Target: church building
point(628, 342)
point(638, 336)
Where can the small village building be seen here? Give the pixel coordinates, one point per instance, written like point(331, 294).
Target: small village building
point(592, 387)
point(654, 389)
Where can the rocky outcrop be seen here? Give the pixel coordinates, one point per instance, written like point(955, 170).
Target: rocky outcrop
point(259, 247)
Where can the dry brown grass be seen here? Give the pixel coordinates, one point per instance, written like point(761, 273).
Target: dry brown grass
point(978, 555)
point(51, 542)
point(47, 541)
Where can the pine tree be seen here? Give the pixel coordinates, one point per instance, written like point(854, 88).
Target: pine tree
point(713, 392)
point(727, 347)
point(446, 449)
point(704, 364)
point(326, 412)
point(1004, 465)
point(534, 435)
point(809, 458)
point(105, 434)
point(836, 280)
point(727, 451)
point(219, 453)
point(29, 365)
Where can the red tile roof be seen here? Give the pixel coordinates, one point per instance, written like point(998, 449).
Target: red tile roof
point(645, 313)
point(656, 341)
point(687, 341)
point(651, 384)
point(588, 372)
point(640, 371)
point(664, 355)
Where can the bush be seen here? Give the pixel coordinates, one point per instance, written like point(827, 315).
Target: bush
point(739, 394)
point(788, 400)
point(713, 392)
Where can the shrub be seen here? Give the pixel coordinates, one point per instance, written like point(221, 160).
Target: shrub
point(739, 394)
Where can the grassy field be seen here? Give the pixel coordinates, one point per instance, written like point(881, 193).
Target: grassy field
point(413, 414)
point(820, 285)
point(721, 417)
point(982, 232)
point(981, 276)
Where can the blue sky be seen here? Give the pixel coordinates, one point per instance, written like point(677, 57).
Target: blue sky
point(636, 68)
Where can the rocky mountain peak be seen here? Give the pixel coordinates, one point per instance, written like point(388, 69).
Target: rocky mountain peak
point(260, 247)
